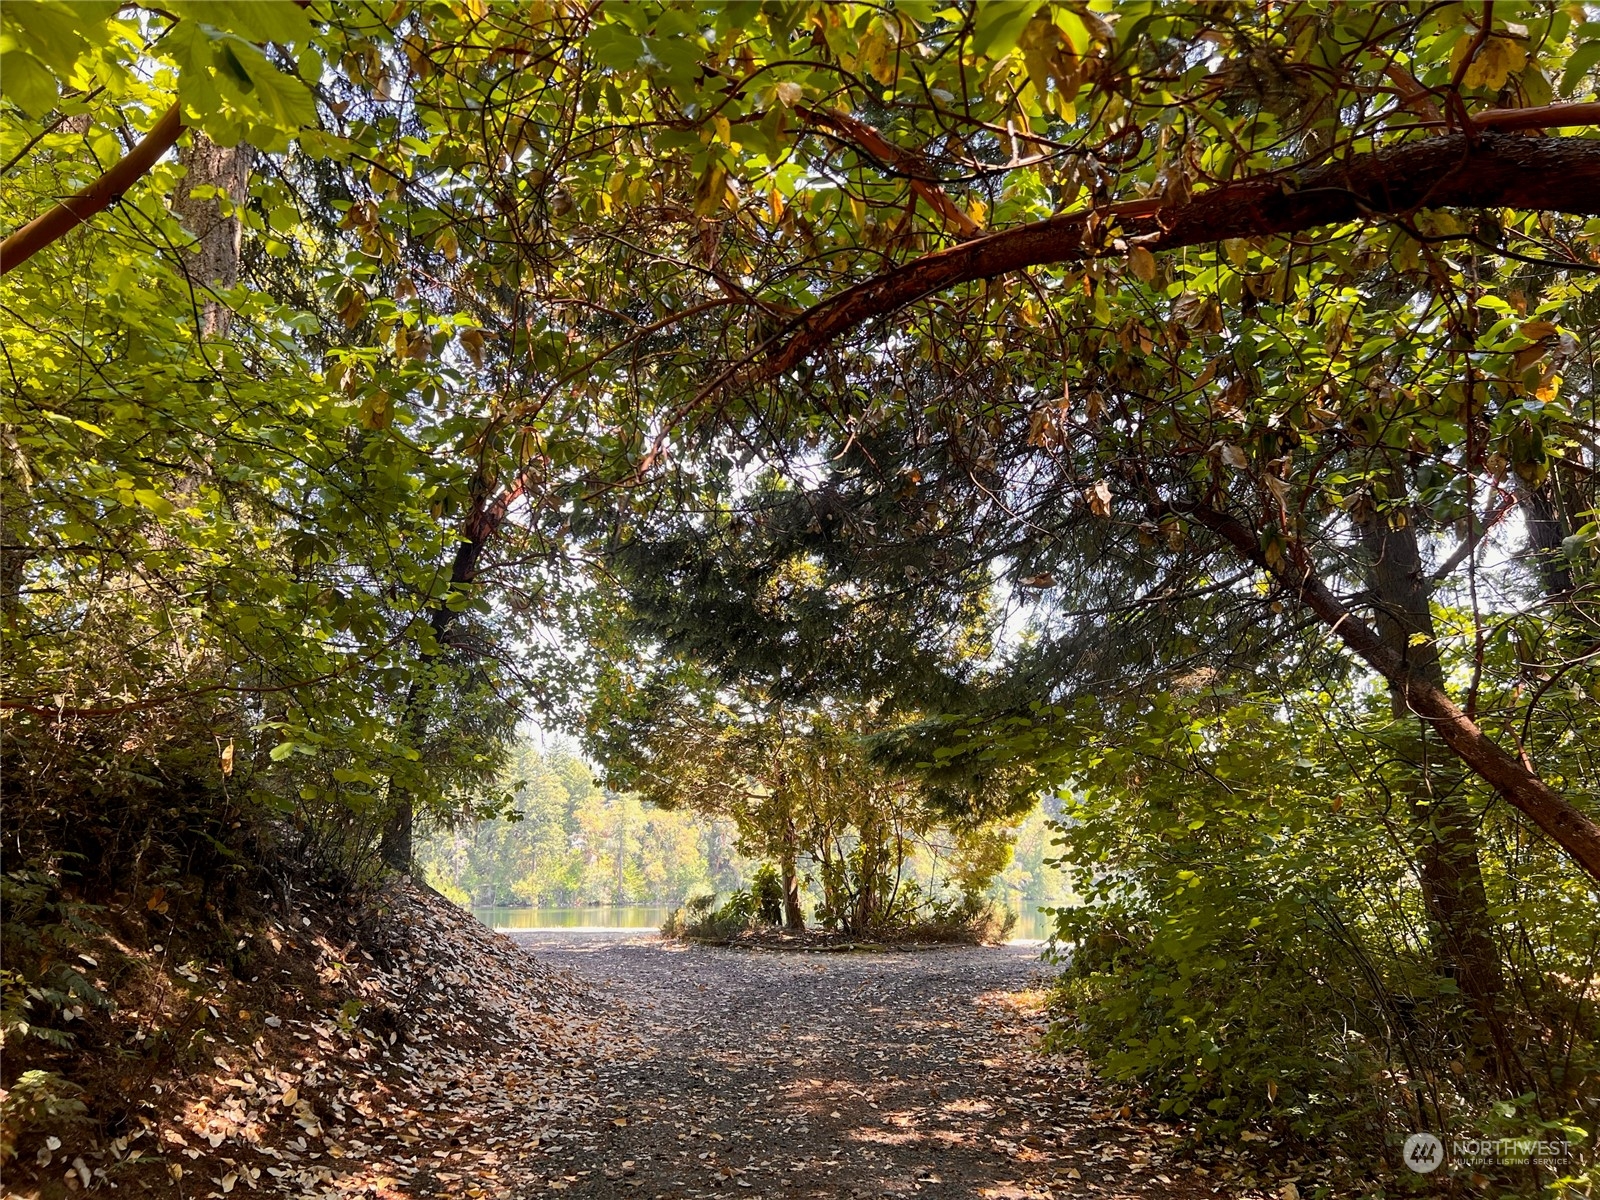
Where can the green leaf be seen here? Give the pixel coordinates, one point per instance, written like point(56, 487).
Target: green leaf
point(1074, 29)
point(27, 83)
point(54, 32)
point(997, 26)
point(154, 501)
point(1580, 64)
point(256, 20)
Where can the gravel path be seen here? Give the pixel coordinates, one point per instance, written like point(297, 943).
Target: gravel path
point(756, 1073)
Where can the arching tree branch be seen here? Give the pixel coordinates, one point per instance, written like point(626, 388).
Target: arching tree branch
point(1570, 828)
point(38, 233)
point(1483, 169)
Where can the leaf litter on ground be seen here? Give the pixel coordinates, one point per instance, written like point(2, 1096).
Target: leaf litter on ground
point(430, 1056)
point(773, 1074)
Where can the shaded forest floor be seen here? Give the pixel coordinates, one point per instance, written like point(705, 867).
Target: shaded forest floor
point(410, 1053)
point(417, 1054)
point(842, 1075)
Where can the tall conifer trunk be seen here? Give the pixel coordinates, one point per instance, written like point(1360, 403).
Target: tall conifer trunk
point(1444, 823)
point(223, 172)
point(1547, 528)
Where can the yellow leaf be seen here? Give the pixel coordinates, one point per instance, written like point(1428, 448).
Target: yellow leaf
point(1099, 498)
point(724, 130)
point(227, 758)
point(1498, 58)
point(709, 191)
point(878, 55)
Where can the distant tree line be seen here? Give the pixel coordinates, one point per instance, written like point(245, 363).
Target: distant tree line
point(566, 841)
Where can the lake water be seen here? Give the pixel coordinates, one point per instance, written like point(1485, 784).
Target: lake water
point(594, 916)
point(1031, 924)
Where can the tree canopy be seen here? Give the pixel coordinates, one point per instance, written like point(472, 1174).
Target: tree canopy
point(1032, 376)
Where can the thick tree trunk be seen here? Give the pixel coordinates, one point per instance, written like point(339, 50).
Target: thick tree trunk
point(213, 261)
point(1444, 824)
point(794, 916)
point(1546, 531)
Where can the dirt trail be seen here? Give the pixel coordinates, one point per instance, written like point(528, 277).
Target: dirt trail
point(839, 1075)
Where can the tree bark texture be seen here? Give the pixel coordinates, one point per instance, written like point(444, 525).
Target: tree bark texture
point(1444, 826)
point(1546, 531)
point(213, 261)
point(794, 916)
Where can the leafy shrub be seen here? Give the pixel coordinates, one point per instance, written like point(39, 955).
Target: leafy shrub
point(674, 927)
point(1248, 956)
point(766, 886)
point(42, 934)
point(39, 1102)
point(700, 919)
point(969, 917)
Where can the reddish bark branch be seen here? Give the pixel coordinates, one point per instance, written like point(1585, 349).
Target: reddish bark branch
point(1550, 116)
point(1488, 170)
point(1570, 828)
point(38, 233)
point(896, 159)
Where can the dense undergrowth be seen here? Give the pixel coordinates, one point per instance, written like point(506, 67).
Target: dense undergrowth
point(1249, 959)
point(756, 914)
point(130, 880)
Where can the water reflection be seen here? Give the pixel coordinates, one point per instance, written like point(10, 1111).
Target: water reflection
point(594, 916)
point(1032, 925)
